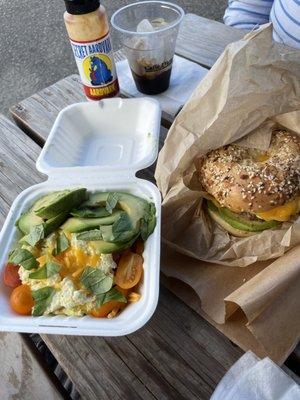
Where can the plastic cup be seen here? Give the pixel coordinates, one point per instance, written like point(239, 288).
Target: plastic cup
point(148, 31)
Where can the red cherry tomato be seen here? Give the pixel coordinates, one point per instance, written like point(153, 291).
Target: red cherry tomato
point(11, 275)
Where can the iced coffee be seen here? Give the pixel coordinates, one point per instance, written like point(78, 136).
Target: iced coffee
point(148, 33)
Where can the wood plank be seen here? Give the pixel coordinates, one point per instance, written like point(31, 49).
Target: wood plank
point(17, 160)
point(176, 362)
point(37, 113)
point(21, 376)
point(203, 40)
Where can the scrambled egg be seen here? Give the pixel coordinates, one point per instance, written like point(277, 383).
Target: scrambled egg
point(70, 298)
point(69, 301)
point(36, 284)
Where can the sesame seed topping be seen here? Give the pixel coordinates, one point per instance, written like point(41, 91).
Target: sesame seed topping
point(234, 174)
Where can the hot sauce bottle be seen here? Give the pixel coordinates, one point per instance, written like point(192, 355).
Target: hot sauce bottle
point(88, 30)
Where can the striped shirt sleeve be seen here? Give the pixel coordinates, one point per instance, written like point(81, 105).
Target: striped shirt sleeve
point(247, 14)
point(285, 16)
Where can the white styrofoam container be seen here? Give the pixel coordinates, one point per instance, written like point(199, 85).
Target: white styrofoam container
point(99, 146)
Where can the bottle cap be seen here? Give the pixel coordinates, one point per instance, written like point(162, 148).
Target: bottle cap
point(81, 6)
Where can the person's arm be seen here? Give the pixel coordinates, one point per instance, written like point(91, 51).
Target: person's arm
point(247, 14)
point(285, 16)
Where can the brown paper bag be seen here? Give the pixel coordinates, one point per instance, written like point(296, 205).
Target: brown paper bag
point(253, 85)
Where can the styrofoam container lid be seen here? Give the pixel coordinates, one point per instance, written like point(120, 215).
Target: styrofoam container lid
point(106, 136)
point(99, 146)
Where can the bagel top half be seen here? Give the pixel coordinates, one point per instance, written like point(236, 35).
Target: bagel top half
point(253, 181)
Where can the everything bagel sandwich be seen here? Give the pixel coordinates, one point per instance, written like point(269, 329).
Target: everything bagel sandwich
point(250, 190)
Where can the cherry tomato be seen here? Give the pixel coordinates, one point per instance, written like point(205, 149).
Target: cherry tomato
point(21, 300)
point(106, 308)
point(129, 270)
point(11, 275)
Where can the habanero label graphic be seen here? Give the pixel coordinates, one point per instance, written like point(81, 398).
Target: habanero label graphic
point(96, 67)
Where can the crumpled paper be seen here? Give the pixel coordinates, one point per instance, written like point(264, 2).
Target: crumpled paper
point(253, 86)
point(253, 379)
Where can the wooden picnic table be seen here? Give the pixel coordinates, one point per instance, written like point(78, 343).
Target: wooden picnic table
point(177, 355)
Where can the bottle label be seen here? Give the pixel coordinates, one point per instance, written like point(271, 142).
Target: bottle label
point(96, 67)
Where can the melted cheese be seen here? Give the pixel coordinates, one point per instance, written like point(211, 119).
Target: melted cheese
point(42, 260)
point(262, 157)
point(75, 260)
point(281, 213)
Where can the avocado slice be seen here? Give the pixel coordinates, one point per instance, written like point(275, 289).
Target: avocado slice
point(255, 225)
point(140, 211)
point(108, 234)
point(54, 223)
point(238, 222)
point(149, 222)
point(84, 224)
point(29, 220)
point(55, 203)
point(230, 229)
point(109, 247)
point(90, 212)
